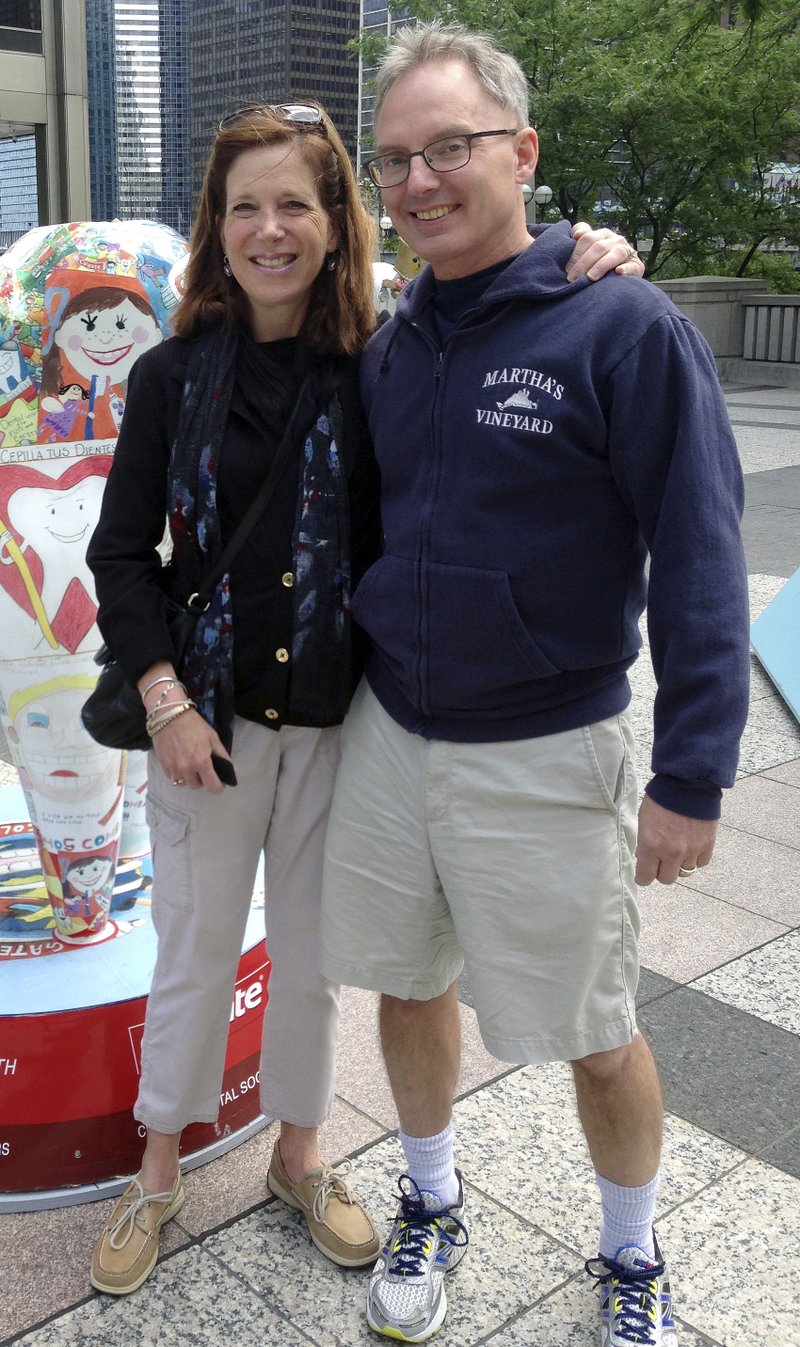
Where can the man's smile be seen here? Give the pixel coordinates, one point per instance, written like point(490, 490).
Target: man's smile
point(436, 214)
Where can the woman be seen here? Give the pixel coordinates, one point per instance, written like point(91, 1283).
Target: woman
point(278, 297)
point(278, 301)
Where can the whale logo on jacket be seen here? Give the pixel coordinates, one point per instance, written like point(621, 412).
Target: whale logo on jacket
point(521, 398)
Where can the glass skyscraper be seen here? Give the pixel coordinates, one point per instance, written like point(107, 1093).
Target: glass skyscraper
point(19, 202)
point(138, 110)
point(102, 78)
point(272, 51)
point(176, 197)
point(376, 17)
point(163, 72)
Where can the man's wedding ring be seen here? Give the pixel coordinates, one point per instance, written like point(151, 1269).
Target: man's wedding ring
point(685, 872)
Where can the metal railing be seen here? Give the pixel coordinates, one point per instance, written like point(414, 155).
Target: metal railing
point(772, 329)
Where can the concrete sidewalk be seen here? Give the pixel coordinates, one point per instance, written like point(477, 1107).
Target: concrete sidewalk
point(719, 1001)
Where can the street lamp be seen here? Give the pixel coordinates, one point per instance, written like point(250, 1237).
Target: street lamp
point(386, 226)
point(541, 197)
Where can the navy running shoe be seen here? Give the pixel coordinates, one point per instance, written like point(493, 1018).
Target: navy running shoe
point(635, 1299)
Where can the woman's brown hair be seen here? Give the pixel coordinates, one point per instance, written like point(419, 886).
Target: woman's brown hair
point(341, 310)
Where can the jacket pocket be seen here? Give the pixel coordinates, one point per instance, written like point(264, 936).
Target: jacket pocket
point(384, 606)
point(452, 636)
point(480, 652)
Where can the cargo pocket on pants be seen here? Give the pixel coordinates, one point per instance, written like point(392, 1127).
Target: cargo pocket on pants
point(170, 843)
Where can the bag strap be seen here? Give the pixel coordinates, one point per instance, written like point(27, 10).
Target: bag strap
point(199, 601)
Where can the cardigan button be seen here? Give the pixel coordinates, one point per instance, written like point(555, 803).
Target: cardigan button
point(282, 656)
point(271, 713)
point(287, 579)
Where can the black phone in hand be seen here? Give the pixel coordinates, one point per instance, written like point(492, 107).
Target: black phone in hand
point(224, 769)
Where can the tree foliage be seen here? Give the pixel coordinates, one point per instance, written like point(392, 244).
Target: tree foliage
point(675, 109)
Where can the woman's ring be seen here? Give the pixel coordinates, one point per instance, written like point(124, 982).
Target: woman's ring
point(178, 781)
point(684, 872)
point(632, 253)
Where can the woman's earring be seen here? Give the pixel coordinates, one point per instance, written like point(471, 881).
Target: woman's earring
point(332, 261)
point(226, 266)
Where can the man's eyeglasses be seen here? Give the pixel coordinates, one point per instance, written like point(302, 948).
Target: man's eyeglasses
point(304, 113)
point(392, 168)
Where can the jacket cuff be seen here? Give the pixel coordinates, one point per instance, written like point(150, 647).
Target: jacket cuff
point(693, 799)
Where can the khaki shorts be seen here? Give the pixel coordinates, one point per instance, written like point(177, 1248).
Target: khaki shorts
point(513, 859)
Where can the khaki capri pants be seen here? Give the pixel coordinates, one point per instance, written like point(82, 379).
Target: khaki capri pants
point(206, 850)
point(513, 859)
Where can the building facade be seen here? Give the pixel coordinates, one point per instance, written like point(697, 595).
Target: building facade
point(377, 20)
point(138, 110)
point(270, 51)
point(44, 145)
point(102, 74)
point(19, 198)
point(176, 191)
point(163, 72)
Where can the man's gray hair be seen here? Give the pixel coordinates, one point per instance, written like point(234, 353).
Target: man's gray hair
point(500, 74)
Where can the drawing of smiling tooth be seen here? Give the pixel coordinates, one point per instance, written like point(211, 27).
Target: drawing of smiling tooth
point(57, 523)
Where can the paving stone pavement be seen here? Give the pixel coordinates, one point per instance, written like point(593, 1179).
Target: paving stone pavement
point(720, 1002)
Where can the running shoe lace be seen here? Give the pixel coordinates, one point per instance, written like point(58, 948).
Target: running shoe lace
point(416, 1230)
point(633, 1295)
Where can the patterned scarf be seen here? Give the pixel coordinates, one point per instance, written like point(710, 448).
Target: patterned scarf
point(321, 656)
point(194, 523)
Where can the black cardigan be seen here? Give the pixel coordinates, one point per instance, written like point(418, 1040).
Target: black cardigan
point(123, 551)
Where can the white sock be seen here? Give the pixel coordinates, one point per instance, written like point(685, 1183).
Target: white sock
point(627, 1216)
point(430, 1164)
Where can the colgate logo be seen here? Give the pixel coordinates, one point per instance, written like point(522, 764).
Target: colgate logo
point(247, 998)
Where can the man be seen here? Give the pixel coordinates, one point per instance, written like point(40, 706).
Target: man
point(536, 439)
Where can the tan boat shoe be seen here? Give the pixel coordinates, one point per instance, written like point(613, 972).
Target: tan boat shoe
point(126, 1252)
point(337, 1222)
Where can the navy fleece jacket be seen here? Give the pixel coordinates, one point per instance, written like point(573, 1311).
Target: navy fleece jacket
point(530, 462)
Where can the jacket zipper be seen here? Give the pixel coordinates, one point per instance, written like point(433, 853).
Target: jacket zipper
point(421, 669)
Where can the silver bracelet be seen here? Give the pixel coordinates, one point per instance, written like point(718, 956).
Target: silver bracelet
point(163, 679)
point(171, 683)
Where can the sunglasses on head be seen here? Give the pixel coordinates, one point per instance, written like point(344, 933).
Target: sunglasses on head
point(303, 113)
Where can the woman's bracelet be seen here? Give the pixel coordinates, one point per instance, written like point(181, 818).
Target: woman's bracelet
point(155, 723)
point(165, 678)
point(171, 683)
point(155, 716)
point(154, 727)
point(159, 710)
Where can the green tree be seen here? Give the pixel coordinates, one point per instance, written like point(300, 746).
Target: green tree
point(676, 107)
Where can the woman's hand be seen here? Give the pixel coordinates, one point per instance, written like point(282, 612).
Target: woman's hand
point(598, 251)
point(184, 745)
point(184, 749)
